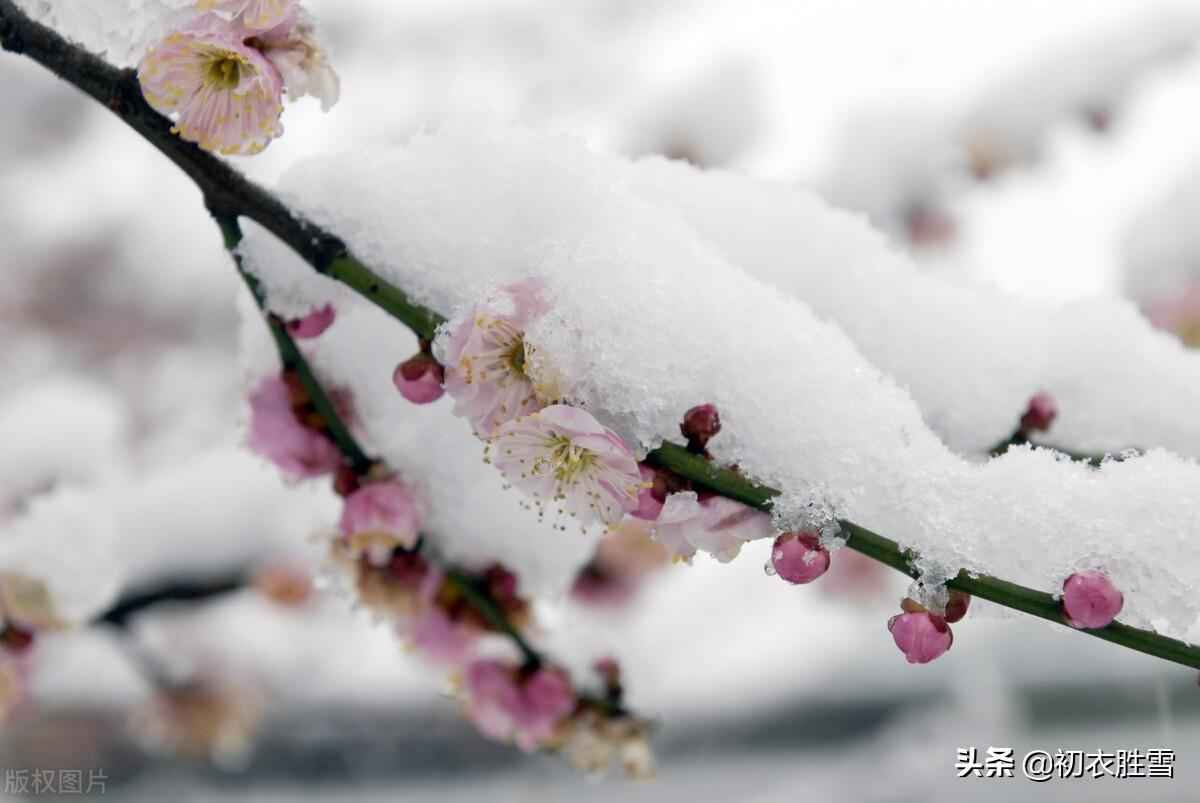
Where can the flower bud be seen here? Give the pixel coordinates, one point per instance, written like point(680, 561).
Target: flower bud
point(1091, 600)
point(1040, 414)
point(956, 605)
point(313, 324)
point(921, 636)
point(419, 379)
point(15, 640)
point(799, 557)
point(700, 424)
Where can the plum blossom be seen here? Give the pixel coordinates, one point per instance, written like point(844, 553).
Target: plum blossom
point(294, 48)
point(379, 518)
point(565, 456)
point(921, 636)
point(711, 523)
point(224, 94)
point(254, 16)
point(278, 434)
point(223, 75)
point(313, 324)
point(486, 358)
point(507, 706)
point(1091, 600)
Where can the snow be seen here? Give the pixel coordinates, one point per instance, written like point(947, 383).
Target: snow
point(463, 210)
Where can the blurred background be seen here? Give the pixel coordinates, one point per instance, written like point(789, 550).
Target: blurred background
point(1051, 150)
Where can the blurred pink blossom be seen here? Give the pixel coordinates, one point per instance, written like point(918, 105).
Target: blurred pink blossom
point(506, 707)
point(379, 518)
point(279, 435)
point(711, 523)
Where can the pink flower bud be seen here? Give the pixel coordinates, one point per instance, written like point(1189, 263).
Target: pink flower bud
point(956, 605)
point(1040, 414)
point(1090, 600)
point(378, 518)
point(799, 557)
point(700, 424)
point(419, 379)
point(313, 324)
point(651, 497)
point(921, 636)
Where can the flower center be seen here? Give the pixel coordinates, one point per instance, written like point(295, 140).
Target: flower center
point(565, 459)
point(224, 71)
point(515, 358)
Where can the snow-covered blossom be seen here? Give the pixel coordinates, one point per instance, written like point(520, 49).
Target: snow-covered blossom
point(920, 635)
point(509, 706)
point(253, 16)
point(488, 370)
point(297, 52)
point(711, 523)
point(1091, 600)
point(562, 455)
point(278, 434)
point(799, 557)
point(224, 94)
point(313, 324)
point(419, 379)
point(379, 518)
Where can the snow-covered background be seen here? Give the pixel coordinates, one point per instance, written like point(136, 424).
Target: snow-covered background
point(122, 388)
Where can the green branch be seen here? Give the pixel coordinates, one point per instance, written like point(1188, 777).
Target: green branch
point(875, 546)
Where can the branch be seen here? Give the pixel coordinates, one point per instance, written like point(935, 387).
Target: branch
point(231, 194)
point(173, 591)
point(225, 188)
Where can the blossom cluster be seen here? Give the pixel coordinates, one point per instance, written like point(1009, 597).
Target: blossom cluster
point(445, 613)
point(222, 76)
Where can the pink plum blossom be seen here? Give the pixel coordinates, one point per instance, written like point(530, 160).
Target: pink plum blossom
point(279, 435)
point(487, 358)
point(799, 557)
point(419, 379)
point(294, 48)
point(253, 16)
point(711, 523)
point(379, 518)
point(313, 324)
point(507, 707)
point(651, 496)
point(563, 456)
point(921, 636)
point(1091, 600)
point(224, 94)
